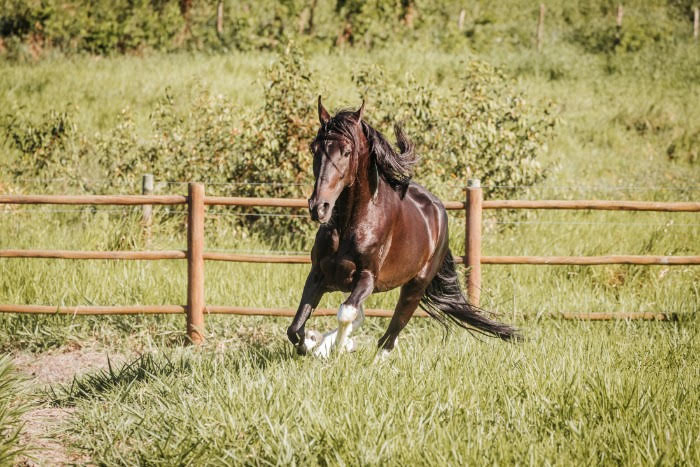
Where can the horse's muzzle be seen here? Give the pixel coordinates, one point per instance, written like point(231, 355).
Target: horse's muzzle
point(320, 210)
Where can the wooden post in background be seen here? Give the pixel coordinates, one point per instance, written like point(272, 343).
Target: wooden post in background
point(220, 18)
point(195, 263)
point(147, 209)
point(696, 22)
point(472, 247)
point(460, 21)
point(540, 27)
point(620, 14)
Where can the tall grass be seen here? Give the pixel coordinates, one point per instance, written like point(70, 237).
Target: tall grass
point(12, 407)
point(573, 393)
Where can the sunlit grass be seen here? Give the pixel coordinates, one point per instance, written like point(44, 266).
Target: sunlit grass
point(620, 392)
point(572, 393)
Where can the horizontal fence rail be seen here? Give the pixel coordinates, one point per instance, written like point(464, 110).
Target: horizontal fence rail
point(592, 260)
point(595, 205)
point(134, 200)
point(89, 310)
point(305, 259)
point(116, 200)
point(195, 254)
point(81, 254)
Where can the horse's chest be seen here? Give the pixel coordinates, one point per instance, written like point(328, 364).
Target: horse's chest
point(339, 271)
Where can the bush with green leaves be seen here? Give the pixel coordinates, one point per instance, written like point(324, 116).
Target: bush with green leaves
point(29, 28)
point(211, 142)
point(45, 148)
point(480, 128)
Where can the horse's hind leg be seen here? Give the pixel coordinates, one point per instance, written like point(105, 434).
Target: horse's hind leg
point(410, 296)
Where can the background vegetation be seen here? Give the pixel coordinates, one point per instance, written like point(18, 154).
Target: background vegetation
point(92, 95)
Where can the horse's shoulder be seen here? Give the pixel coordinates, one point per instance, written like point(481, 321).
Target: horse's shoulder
point(423, 196)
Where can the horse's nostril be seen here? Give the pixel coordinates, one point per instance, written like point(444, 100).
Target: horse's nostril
point(323, 209)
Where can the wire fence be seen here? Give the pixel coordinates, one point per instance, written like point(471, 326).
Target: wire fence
point(221, 183)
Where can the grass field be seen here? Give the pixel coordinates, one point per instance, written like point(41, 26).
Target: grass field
point(573, 392)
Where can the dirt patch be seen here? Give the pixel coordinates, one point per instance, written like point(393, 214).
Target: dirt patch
point(61, 367)
point(41, 434)
point(43, 430)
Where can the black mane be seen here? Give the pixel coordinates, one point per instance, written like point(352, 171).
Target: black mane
point(396, 168)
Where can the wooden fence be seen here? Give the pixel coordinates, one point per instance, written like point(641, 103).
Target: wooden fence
point(196, 255)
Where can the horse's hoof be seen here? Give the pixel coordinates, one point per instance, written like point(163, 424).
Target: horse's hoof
point(350, 345)
point(381, 356)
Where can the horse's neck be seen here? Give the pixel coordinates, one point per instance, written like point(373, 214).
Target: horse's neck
point(354, 201)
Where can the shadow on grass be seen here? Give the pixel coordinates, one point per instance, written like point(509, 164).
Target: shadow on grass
point(149, 367)
point(91, 385)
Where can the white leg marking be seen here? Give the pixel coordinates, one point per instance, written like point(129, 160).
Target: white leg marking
point(381, 356)
point(357, 324)
point(326, 345)
point(352, 319)
point(311, 339)
point(346, 316)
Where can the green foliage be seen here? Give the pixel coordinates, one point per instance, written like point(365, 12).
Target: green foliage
point(11, 409)
point(45, 146)
point(28, 29)
point(95, 27)
point(635, 34)
point(480, 128)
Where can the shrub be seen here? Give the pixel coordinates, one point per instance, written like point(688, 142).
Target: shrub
point(45, 148)
point(480, 128)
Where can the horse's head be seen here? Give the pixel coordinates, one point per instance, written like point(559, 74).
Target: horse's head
point(335, 159)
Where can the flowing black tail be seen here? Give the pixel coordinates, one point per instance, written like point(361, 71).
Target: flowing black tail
point(444, 301)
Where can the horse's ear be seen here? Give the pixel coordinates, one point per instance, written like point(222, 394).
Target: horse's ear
point(357, 115)
point(373, 176)
point(323, 115)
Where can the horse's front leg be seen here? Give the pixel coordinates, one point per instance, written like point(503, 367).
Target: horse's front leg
point(350, 316)
point(313, 291)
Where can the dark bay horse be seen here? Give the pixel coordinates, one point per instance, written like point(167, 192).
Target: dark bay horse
point(379, 230)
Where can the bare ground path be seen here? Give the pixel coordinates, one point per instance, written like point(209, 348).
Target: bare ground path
point(43, 432)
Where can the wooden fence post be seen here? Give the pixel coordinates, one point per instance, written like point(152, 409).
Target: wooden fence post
point(195, 262)
point(460, 21)
point(696, 22)
point(620, 14)
point(540, 27)
point(147, 209)
point(472, 247)
point(220, 19)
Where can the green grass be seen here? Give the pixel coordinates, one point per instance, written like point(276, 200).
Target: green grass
point(12, 406)
point(573, 392)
